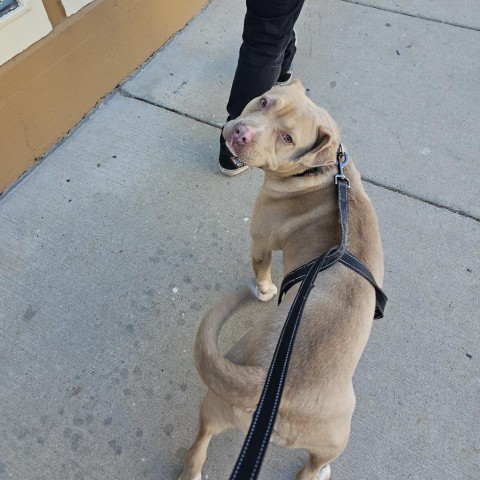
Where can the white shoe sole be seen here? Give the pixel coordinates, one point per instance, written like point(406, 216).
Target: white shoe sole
point(286, 82)
point(232, 172)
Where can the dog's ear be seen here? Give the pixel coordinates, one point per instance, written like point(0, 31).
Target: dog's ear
point(298, 84)
point(323, 151)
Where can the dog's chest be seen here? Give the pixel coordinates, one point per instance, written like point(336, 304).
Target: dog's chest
point(274, 218)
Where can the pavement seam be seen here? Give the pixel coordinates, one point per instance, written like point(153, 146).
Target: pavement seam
point(461, 213)
point(119, 90)
point(418, 15)
point(168, 109)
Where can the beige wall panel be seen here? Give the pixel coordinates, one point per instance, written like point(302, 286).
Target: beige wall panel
point(73, 6)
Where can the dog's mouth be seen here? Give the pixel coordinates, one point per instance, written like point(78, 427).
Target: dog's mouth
point(231, 147)
point(240, 153)
point(232, 142)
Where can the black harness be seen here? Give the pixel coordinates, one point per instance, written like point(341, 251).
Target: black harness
point(256, 442)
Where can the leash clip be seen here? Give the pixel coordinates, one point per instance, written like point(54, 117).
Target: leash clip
point(342, 161)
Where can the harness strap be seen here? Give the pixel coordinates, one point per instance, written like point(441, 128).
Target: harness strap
point(355, 264)
point(349, 260)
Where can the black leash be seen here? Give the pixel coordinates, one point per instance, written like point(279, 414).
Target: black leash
point(256, 442)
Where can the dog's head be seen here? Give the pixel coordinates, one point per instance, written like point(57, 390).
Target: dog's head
point(283, 131)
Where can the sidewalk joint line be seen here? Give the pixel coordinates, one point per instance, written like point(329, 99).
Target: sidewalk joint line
point(168, 109)
point(462, 213)
point(365, 179)
point(422, 17)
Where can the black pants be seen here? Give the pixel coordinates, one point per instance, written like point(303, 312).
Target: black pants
point(267, 50)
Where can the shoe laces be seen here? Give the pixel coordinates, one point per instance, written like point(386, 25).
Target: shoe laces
point(237, 162)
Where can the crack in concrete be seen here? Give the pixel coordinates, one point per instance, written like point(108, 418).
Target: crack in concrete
point(418, 15)
point(462, 213)
point(169, 109)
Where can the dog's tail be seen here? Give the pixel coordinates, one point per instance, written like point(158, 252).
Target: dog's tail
point(239, 385)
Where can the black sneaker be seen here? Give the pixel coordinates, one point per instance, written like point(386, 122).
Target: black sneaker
point(229, 164)
point(284, 78)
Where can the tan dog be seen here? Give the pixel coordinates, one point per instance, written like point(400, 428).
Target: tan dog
point(285, 134)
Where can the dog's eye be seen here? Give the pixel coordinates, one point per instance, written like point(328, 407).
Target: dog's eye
point(263, 102)
point(287, 138)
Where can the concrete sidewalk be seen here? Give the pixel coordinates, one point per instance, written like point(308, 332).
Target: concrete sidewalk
point(114, 246)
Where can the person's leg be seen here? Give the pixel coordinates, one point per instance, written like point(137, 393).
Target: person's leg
point(266, 54)
point(286, 70)
point(268, 39)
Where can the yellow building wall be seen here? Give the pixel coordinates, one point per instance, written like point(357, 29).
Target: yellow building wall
point(48, 89)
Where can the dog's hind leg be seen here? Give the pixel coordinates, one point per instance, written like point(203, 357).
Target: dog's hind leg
point(315, 468)
point(213, 420)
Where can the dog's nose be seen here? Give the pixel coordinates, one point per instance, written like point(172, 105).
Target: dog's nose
point(242, 134)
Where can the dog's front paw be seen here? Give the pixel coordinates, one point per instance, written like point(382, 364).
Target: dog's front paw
point(265, 291)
